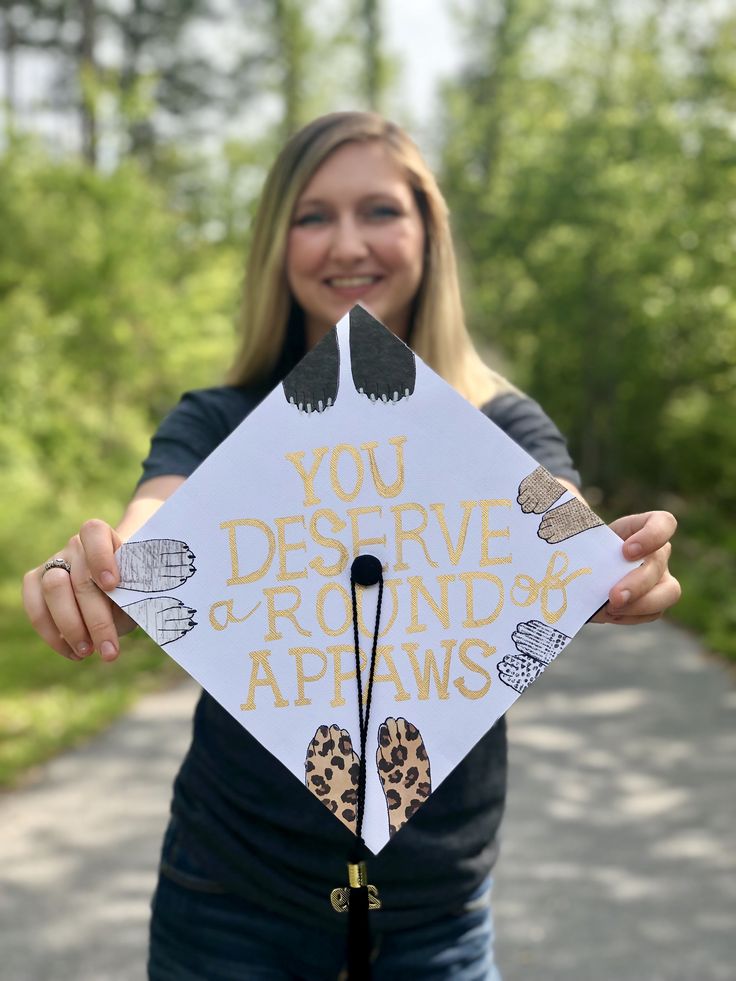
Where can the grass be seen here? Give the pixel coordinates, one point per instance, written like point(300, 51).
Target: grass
point(48, 704)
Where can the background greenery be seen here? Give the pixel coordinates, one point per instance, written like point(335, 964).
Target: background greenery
point(588, 153)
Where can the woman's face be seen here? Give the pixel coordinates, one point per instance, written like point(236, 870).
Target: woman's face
point(356, 236)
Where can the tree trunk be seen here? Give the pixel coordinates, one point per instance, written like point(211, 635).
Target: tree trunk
point(292, 42)
point(87, 67)
point(9, 49)
point(372, 52)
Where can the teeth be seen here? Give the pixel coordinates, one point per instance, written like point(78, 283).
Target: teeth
point(349, 282)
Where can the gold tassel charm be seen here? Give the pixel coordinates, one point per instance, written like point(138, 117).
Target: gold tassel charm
point(357, 879)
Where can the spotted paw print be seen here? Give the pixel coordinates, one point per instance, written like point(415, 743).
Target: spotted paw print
point(331, 772)
point(518, 671)
point(538, 640)
point(403, 766)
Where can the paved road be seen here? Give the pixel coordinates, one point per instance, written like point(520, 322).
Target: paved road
point(619, 856)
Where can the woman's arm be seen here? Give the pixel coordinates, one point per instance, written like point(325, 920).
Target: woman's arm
point(69, 610)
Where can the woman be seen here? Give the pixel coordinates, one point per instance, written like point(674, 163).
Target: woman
point(349, 212)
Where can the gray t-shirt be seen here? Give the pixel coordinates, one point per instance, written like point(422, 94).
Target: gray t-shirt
point(238, 810)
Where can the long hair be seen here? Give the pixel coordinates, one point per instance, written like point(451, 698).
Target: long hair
point(272, 323)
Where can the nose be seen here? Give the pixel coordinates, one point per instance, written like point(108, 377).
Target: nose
point(348, 244)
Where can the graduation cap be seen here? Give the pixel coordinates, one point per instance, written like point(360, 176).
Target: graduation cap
point(366, 574)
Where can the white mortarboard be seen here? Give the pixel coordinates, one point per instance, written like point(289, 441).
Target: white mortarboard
point(488, 568)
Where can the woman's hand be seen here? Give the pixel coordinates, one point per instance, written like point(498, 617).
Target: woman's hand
point(70, 610)
point(647, 591)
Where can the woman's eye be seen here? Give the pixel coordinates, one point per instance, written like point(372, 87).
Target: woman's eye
point(311, 218)
point(380, 211)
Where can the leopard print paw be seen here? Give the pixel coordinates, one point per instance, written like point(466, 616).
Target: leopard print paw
point(403, 766)
point(331, 772)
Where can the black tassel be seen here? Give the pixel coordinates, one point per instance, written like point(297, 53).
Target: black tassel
point(359, 931)
point(365, 571)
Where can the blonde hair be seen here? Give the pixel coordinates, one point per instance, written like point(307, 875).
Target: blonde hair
point(272, 322)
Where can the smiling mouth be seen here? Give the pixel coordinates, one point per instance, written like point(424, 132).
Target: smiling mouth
point(351, 282)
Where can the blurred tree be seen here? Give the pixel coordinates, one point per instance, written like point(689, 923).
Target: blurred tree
point(110, 305)
point(291, 43)
point(589, 162)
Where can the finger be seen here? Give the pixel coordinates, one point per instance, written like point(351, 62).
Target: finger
point(624, 621)
point(100, 541)
point(40, 618)
point(639, 581)
point(58, 594)
point(123, 623)
point(653, 603)
point(644, 533)
point(94, 606)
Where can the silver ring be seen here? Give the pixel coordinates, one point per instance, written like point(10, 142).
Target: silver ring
point(56, 564)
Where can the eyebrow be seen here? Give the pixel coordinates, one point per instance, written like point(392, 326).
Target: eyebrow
point(372, 196)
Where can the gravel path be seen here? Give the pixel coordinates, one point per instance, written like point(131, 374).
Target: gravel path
point(619, 853)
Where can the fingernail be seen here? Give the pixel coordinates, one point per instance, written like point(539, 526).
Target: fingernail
point(83, 648)
point(625, 597)
point(108, 650)
point(107, 579)
point(633, 550)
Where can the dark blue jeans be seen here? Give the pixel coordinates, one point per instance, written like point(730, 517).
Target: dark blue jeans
point(201, 933)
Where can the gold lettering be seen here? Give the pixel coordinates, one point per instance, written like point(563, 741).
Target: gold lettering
point(237, 579)
point(310, 498)
point(230, 617)
point(299, 653)
point(441, 610)
point(272, 614)
point(454, 552)
point(392, 675)
point(335, 476)
point(423, 676)
point(470, 579)
point(336, 524)
point(391, 585)
point(284, 547)
point(339, 675)
point(358, 542)
point(386, 490)
point(409, 534)
point(552, 582)
point(259, 662)
point(322, 595)
point(486, 651)
point(486, 533)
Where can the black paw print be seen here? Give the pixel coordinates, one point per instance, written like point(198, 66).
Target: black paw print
point(313, 383)
point(383, 367)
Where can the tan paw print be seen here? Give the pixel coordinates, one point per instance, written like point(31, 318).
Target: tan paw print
point(538, 492)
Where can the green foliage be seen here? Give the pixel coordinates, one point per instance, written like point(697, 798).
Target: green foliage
point(118, 289)
point(110, 304)
point(704, 561)
point(590, 163)
point(593, 193)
